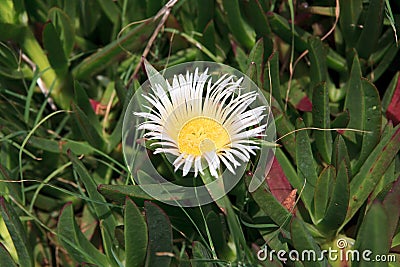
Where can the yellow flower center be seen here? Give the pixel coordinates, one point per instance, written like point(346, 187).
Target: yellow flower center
point(202, 134)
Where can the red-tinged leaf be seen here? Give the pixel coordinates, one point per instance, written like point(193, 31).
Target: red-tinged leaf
point(391, 204)
point(393, 110)
point(304, 104)
point(277, 182)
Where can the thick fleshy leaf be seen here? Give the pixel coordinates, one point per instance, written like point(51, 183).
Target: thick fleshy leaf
point(392, 109)
point(17, 232)
point(63, 26)
point(54, 48)
point(321, 119)
point(303, 241)
point(256, 15)
point(391, 203)
point(88, 131)
point(76, 244)
point(83, 102)
point(270, 205)
point(272, 79)
point(372, 170)
point(242, 32)
point(281, 27)
point(277, 182)
point(349, 14)
point(135, 232)
point(338, 201)
point(5, 257)
point(217, 228)
point(159, 250)
point(318, 68)
point(322, 192)
point(372, 236)
point(101, 209)
point(353, 96)
point(288, 169)
point(283, 127)
point(256, 61)
point(306, 168)
point(372, 121)
point(201, 256)
point(119, 192)
point(372, 28)
point(100, 60)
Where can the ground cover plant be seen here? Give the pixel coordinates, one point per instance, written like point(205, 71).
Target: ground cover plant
point(68, 70)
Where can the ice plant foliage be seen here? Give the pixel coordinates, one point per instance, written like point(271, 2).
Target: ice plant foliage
point(203, 123)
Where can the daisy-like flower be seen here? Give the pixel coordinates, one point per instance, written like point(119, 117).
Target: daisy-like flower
point(203, 123)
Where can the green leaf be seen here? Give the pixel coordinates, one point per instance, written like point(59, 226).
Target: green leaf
point(160, 236)
point(61, 146)
point(322, 192)
point(256, 16)
point(255, 62)
point(17, 232)
point(391, 203)
point(118, 193)
point(338, 200)
point(5, 257)
point(208, 38)
point(111, 10)
point(72, 239)
point(349, 14)
point(372, 171)
point(236, 24)
point(303, 241)
point(272, 80)
point(339, 152)
point(353, 96)
point(155, 78)
point(135, 232)
point(321, 119)
point(284, 127)
point(372, 28)
point(385, 63)
point(64, 28)
point(372, 121)
point(218, 234)
point(205, 9)
point(372, 236)
point(54, 48)
point(83, 102)
point(240, 57)
point(131, 41)
point(88, 131)
point(281, 27)
point(305, 165)
point(318, 68)
point(99, 204)
point(201, 255)
point(12, 187)
point(385, 184)
point(270, 205)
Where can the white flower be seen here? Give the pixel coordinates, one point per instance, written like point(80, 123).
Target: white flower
point(203, 123)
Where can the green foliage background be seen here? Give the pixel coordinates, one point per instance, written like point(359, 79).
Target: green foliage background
point(69, 68)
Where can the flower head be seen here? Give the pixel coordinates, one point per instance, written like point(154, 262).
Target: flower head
point(203, 123)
